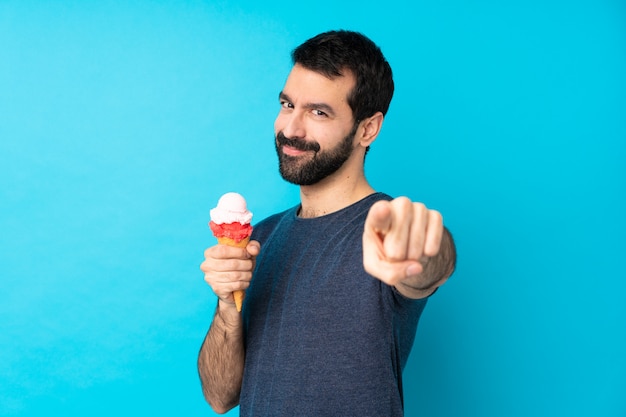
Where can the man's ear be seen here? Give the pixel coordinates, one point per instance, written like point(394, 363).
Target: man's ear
point(370, 128)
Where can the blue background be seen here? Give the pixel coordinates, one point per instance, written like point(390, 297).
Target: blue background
point(121, 124)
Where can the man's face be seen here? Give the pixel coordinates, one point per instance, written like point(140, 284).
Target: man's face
point(314, 128)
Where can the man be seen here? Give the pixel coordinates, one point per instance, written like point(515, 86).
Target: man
point(335, 286)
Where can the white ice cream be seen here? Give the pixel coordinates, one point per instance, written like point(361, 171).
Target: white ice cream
point(231, 208)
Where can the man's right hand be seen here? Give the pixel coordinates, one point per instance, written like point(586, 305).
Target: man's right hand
point(227, 269)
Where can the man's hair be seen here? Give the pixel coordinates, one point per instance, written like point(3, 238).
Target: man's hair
point(333, 53)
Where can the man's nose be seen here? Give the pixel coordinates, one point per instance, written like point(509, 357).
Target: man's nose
point(294, 126)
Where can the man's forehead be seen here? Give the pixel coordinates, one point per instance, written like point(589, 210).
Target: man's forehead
point(304, 80)
point(344, 73)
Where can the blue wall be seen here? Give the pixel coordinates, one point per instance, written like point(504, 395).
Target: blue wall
point(121, 125)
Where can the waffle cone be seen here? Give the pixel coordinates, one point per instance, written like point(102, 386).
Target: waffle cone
point(239, 294)
point(232, 242)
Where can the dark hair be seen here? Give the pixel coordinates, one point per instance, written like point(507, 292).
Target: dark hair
point(332, 53)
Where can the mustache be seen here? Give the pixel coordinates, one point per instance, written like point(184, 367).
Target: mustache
point(299, 144)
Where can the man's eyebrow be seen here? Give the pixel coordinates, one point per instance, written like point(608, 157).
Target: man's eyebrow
point(320, 106)
point(326, 108)
point(283, 96)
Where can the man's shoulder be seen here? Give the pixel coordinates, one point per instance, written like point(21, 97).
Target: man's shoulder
point(366, 203)
point(275, 218)
point(268, 224)
point(377, 196)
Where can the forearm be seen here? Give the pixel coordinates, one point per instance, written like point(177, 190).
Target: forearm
point(221, 359)
point(437, 270)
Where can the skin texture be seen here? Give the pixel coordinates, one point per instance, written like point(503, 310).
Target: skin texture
point(404, 243)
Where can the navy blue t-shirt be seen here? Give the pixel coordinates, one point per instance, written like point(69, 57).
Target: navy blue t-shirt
point(323, 337)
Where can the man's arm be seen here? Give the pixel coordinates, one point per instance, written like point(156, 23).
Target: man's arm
point(405, 245)
point(221, 358)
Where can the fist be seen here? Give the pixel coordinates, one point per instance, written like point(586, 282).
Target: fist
point(399, 239)
point(227, 269)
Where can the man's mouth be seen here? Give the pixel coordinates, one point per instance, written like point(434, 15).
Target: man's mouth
point(291, 151)
point(294, 147)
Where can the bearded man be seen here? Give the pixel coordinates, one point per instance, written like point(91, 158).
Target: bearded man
point(335, 286)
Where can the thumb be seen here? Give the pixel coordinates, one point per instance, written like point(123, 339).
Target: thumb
point(253, 248)
point(391, 273)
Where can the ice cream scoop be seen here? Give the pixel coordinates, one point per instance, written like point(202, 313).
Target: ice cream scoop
point(230, 224)
point(231, 208)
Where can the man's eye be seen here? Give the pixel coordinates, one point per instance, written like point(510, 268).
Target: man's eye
point(319, 113)
point(286, 105)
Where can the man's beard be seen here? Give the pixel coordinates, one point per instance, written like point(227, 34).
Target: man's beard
point(324, 163)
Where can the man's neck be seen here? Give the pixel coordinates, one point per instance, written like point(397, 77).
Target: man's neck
point(332, 194)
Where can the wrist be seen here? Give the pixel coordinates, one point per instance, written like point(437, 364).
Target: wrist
point(228, 313)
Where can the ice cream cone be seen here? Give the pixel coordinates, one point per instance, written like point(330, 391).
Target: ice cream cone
point(232, 242)
point(230, 224)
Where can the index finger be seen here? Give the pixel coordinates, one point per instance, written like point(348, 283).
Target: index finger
point(378, 219)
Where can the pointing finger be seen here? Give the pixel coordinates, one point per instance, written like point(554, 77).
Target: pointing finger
point(396, 242)
point(379, 218)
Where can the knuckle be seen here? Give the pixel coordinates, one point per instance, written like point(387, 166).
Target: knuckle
point(220, 251)
point(436, 216)
point(417, 251)
point(420, 210)
point(230, 265)
point(241, 284)
point(403, 204)
point(243, 276)
point(395, 253)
